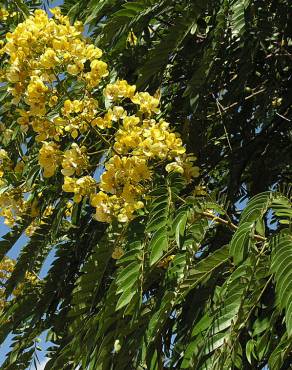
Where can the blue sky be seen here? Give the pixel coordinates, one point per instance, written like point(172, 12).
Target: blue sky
point(56, 3)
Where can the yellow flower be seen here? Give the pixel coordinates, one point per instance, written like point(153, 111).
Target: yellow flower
point(85, 186)
point(73, 69)
point(45, 129)
point(44, 59)
point(147, 103)
point(36, 96)
point(92, 52)
point(7, 266)
point(119, 89)
point(69, 185)
point(175, 144)
point(132, 39)
point(129, 136)
point(23, 120)
point(191, 171)
point(121, 170)
point(103, 122)
point(11, 206)
point(98, 71)
point(49, 59)
point(200, 191)
point(70, 107)
point(112, 206)
point(75, 161)
point(118, 253)
point(9, 219)
point(3, 155)
point(36, 90)
point(174, 167)
point(31, 229)
point(4, 14)
point(99, 68)
point(49, 158)
point(101, 201)
point(184, 165)
point(117, 113)
point(53, 100)
point(69, 208)
point(56, 12)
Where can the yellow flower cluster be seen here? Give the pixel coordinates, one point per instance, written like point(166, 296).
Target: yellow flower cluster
point(4, 14)
point(121, 89)
point(7, 266)
point(12, 206)
point(40, 49)
point(4, 162)
point(109, 206)
point(85, 186)
point(138, 142)
point(76, 116)
point(122, 174)
point(118, 90)
point(75, 161)
point(54, 75)
point(148, 138)
point(122, 180)
point(113, 115)
point(184, 165)
point(50, 158)
point(146, 102)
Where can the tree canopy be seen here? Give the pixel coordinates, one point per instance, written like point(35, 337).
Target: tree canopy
point(148, 145)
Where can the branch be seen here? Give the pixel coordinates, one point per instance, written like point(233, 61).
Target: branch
point(229, 224)
point(224, 109)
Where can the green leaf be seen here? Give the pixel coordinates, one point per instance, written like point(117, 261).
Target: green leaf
point(156, 223)
point(130, 275)
point(31, 256)
point(281, 266)
point(249, 351)
point(125, 298)
point(126, 272)
point(256, 207)
point(9, 239)
point(98, 8)
point(179, 224)
point(201, 272)
point(158, 212)
point(87, 285)
point(237, 19)
point(160, 54)
point(241, 241)
point(282, 208)
point(158, 245)
point(280, 353)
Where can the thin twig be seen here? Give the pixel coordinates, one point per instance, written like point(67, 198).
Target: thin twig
point(285, 118)
point(237, 103)
point(219, 107)
point(104, 139)
point(98, 151)
point(229, 224)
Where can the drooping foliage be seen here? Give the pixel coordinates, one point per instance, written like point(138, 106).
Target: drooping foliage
point(157, 265)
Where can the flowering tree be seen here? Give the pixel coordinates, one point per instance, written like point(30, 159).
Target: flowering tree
point(91, 168)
